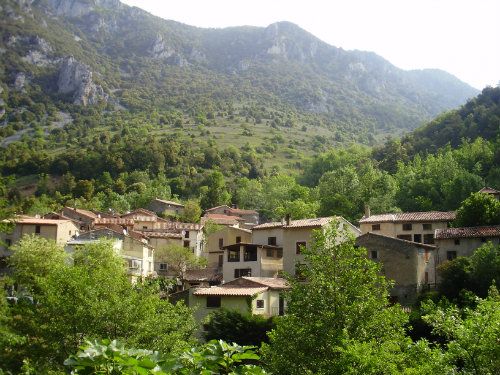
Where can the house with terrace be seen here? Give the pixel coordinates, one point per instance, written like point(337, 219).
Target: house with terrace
point(215, 242)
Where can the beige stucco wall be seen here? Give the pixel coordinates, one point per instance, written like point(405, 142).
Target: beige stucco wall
point(211, 251)
point(264, 266)
point(238, 303)
point(466, 248)
point(395, 229)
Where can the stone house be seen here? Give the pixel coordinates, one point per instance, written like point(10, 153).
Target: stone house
point(487, 190)
point(410, 226)
point(250, 217)
point(59, 231)
point(411, 265)
point(289, 236)
point(463, 242)
point(86, 217)
point(162, 207)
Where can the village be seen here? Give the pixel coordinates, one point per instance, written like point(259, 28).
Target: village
point(245, 260)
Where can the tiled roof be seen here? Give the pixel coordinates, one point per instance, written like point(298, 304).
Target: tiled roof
point(430, 216)
point(302, 223)
point(113, 220)
point(271, 282)
point(389, 238)
point(233, 210)
point(175, 225)
point(222, 219)
point(140, 212)
point(162, 235)
point(467, 232)
point(87, 213)
point(38, 221)
point(204, 274)
point(229, 291)
point(488, 190)
point(169, 202)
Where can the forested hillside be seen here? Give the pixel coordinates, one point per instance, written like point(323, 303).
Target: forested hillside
point(107, 107)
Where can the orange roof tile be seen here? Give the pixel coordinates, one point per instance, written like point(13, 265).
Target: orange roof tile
point(229, 291)
point(467, 232)
point(430, 216)
point(302, 223)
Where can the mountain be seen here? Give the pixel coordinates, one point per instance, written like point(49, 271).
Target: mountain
point(73, 70)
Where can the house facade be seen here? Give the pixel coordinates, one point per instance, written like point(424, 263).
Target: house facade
point(410, 226)
point(59, 231)
point(463, 242)
point(292, 235)
point(250, 218)
point(411, 265)
point(255, 295)
point(215, 242)
point(163, 207)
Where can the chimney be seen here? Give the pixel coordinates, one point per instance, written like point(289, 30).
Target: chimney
point(367, 211)
point(288, 219)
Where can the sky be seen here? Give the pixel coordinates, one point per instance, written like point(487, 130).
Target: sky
point(461, 37)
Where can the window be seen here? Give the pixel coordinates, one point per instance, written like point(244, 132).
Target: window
point(186, 244)
point(213, 301)
point(279, 253)
point(457, 241)
point(221, 243)
point(407, 226)
point(69, 232)
point(298, 246)
point(240, 272)
point(271, 241)
point(163, 266)
point(260, 303)
point(376, 227)
point(238, 239)
point(144, 228)
point(429, 238)
point(37, 229)
point(450, 255)
point(221, 260)
point(270, 253)
point(426, 277)
point(373, 254)
point(417, 238)
point(483, 239)
point(406, 237)
point(233, 255)
point(427, 226)
point(186, 234)
point(250, 254)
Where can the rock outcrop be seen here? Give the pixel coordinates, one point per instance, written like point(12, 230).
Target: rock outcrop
point(78, 8)
point(75, 77)
point(159, 49)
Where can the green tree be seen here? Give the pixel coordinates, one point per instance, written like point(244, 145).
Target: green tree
point(215, 193)
point(83, 188)
point(233, 326)
point(477, 210)
point(343, 302)
point(179, 259)
point(192, 212)
point(473, 335)
point(88, 295)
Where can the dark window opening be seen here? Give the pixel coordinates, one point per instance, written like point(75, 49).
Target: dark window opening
point(238, 239)
point(250, 254)
point(37, 229)
point(221, 243)
point(407, 226)
point(483, 239)
point(270, 253)
point(376, 227)
point(233, 255)
point(450, 255)
point(427, 226)
point(373, 254)
point(271, 241)
point(429, 238)
point(213, 301)
point(186, 234)
point(240, 272)
point(298, 247)
point(260, 303)
point(417, 238)
point(457, 241)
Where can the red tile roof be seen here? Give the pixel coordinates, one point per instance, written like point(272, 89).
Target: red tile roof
point(229, 291)
point(163, 235)
point(233, 210)
point(406, 217)
point(467, 232)
point(140, 212)
point(169, 202)
point(87, 213)
point(302, 223)
point(38, 221)
point(113, 220)
point(488, 190)
point(204, 274)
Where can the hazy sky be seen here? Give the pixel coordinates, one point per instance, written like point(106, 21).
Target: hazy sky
point(461, 37)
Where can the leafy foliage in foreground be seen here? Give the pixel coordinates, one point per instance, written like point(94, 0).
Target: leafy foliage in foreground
point(215, 357)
